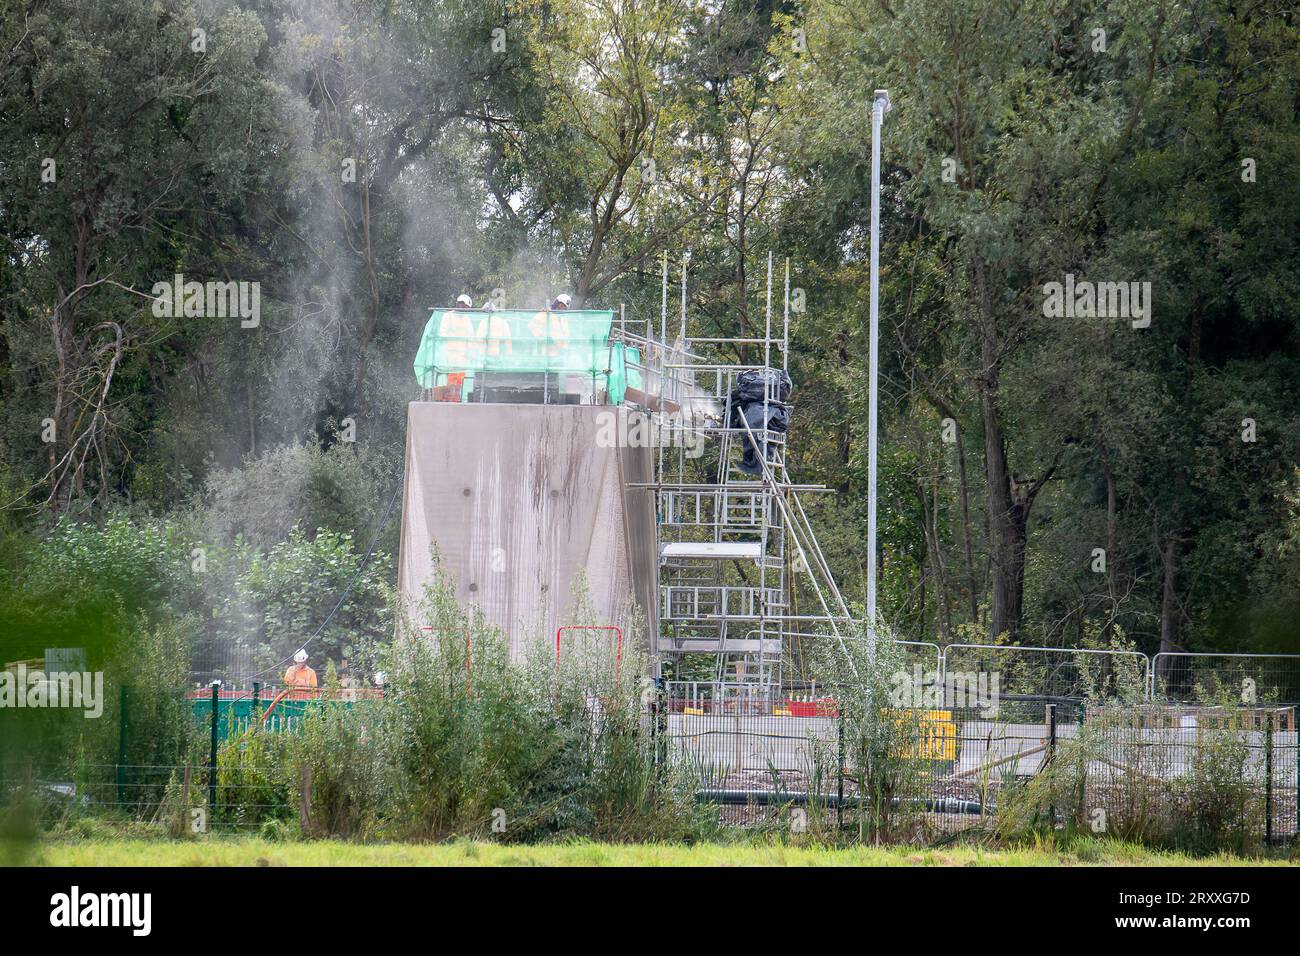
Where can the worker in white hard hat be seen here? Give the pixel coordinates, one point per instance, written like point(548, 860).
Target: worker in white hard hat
point(300, 679)
point(551, 329)
point(456, 329)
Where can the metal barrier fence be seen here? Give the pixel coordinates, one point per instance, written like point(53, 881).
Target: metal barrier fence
point(1052, 672)
point(1045, 674)
point(1244, 678)
point(1222, 748)
point(722, 697)
point(924, 653)
point(270, 707)
point(1126, 770)
point(195, 798)
point(1231, 770)
point(222, 788)
point(1132, 771)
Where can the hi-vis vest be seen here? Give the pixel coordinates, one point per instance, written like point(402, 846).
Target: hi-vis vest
point(496, 330)
point(553, 327)
point(465, 340)
point(300, 676)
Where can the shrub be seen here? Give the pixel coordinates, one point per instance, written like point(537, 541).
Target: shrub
point(341, 752)
point(1133, 773)
point(467, 743)
point(883, 747)
point(253, 784)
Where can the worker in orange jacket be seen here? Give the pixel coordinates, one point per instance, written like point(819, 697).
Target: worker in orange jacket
point(300, 680)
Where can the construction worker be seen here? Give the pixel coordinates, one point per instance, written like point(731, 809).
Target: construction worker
point(456, 331)
point(561, 302)
point(494, 332)
point(550, 330)
point(300, 680)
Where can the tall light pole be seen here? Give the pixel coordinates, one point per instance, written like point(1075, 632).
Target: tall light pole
point(879, 107)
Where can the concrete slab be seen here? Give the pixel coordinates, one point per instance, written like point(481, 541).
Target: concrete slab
point(520, 501)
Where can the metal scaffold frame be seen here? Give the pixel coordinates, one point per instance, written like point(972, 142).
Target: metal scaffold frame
point(729, 542)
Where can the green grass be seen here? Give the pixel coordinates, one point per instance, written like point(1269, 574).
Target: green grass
point(237, 851)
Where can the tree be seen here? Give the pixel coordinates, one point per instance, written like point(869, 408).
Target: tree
point(121, 139)
point(607, 167)
point(1006, 117)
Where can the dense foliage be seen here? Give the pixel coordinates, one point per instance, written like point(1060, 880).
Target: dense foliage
point(363, 160)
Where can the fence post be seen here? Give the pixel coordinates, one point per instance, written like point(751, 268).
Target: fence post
point(304, 801)
point(212, 754)
point(121, 748)
point(652, 714)
point(1268, 780)
point(187, 777)
point(839, 771)
point(254, 719)
point(1051, 755)
point(739, 760)
point(660, 723)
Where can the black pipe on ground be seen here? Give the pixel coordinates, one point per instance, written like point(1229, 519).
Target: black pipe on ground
point(773, 798)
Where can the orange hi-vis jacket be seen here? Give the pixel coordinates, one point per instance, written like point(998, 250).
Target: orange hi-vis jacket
point(300, 677)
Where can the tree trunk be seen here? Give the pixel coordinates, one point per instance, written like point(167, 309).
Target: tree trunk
point(1010, 499)
point(1169, 598)
point(1007, 524)
point(930, 515)
point(1112, 549)
point(369, 206)
point(1006, 519)
point(250, 395)
point(1169, 617)
point(64, 482)
point(965, 527)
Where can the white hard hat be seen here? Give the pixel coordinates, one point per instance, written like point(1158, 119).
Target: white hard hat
point(464, 300)
point(564, 299)
point(301, 656)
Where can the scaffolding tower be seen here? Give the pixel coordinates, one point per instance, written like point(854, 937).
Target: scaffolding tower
point(731, 542)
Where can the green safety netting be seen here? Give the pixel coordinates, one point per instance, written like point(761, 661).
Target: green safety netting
point(465, 341)
point(623, 371)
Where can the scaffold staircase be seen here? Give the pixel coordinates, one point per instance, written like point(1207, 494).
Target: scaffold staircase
point(725, 574)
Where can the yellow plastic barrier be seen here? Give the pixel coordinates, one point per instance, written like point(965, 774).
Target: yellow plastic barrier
point(938, 734)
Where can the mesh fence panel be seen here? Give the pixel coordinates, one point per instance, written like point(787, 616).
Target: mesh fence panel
point(1247, 679)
